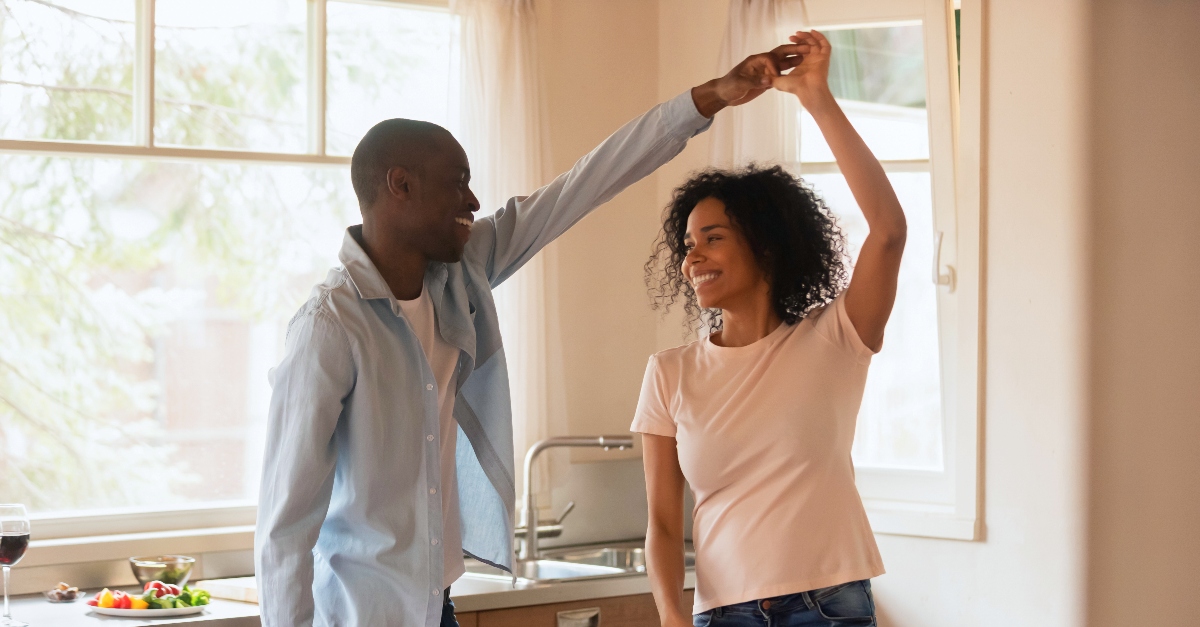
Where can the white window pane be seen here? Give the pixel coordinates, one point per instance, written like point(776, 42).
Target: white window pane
point(66, 70)
point(878, 76)
point(231, 74)
point(141, 306)
point(900, 423)
point(388, 62)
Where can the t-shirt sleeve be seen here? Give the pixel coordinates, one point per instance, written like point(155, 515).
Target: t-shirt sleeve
point(834, 325)
point(653, 414)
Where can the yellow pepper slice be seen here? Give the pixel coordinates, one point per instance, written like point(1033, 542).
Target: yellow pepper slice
point(138, 604)
point(106, 598)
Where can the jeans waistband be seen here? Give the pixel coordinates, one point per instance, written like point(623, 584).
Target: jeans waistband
point(783, 603)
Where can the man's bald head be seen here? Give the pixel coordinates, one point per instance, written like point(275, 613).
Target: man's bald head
point(392, 143)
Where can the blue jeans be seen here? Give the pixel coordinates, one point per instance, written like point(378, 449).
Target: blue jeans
point(448, 619)
point(843, 605)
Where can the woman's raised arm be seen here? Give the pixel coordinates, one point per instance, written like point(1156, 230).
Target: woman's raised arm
point(872, 290)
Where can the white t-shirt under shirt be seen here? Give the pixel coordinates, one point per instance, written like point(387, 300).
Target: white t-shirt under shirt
point(443, 360)
point(764, 434)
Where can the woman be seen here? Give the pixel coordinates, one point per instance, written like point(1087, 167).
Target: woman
point(759, 416)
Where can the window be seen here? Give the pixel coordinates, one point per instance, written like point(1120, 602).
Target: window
point(173, 182)
point(894, 71)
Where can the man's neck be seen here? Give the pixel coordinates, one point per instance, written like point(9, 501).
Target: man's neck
point(401, 267)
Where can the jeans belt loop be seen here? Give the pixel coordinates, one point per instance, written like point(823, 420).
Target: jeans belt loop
point(809, 603)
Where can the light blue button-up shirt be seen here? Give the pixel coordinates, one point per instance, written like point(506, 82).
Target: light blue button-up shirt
point(350, 504)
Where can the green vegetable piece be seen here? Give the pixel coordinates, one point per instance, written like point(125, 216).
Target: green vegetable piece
point(200, 597)
point(181, 602)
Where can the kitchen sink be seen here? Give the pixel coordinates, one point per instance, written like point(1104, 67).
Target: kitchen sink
point(547, 570)
point(628, 559)
point(544, 570)
point(576, 563)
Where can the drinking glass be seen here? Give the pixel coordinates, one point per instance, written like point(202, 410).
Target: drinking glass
point(14, 539)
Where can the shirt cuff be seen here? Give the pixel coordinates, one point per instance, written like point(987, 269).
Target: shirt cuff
point(643, 425)
point(683, 114)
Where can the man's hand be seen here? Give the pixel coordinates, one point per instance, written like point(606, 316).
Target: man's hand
point(809, 78)
point(748, 79)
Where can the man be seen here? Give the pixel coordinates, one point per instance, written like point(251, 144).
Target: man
point(368, 502)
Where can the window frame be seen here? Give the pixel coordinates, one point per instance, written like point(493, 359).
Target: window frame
point(115, 534)
point(940, 504)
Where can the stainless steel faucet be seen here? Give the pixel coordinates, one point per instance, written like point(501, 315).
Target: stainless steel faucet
point(529, 513)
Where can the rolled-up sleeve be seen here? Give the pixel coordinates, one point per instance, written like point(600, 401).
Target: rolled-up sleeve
point(309, 388)
point(506, 240)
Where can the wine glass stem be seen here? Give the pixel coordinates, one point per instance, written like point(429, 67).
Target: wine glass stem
point(7, 616)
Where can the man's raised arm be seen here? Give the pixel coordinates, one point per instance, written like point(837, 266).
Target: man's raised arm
point(504, 241)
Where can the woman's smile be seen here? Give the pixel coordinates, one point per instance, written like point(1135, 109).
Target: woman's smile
point(701, 279)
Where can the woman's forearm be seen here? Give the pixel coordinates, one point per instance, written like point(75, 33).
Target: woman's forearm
point(664, 566)
point(865, 176)
point(664, 533)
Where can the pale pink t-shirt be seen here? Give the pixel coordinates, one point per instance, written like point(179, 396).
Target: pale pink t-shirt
point(764, 434)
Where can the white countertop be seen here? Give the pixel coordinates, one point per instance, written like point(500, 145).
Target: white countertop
point(471, 594)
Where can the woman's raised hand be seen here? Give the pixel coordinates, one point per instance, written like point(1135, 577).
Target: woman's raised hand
point(809, 78)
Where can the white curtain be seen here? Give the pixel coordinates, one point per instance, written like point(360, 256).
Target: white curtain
point(766, 129)
point(502, 133)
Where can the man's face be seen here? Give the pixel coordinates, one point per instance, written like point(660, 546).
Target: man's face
point(440, 211)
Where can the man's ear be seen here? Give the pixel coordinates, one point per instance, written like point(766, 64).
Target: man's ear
point(400, 182)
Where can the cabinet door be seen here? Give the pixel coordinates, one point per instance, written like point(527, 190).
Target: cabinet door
point(629, 611)
point(470, 619)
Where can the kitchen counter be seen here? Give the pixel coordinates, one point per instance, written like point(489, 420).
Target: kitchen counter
point(38, 612)
point(470, 594)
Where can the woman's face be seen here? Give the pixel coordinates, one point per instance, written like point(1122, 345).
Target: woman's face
point(719, 263)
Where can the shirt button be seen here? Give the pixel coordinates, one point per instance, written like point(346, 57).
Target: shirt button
point(435, 542)
point(428, 386)
point(436, 592)
point(429, 437)
point(433, 490)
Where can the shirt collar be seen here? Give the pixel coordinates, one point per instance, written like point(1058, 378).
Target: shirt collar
point(363, 273)
point(450, 306)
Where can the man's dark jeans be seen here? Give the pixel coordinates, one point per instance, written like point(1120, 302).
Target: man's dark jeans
point(448, 619)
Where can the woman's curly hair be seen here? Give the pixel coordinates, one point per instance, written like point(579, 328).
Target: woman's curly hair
point(793, 235)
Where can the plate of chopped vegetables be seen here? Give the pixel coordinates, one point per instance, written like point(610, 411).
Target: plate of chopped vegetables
point(157, 599)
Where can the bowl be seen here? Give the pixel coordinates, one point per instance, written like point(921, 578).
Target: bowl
point(165, 568)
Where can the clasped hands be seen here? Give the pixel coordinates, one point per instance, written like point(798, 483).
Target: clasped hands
point(800, 68)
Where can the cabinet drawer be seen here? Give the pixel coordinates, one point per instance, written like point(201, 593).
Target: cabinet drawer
point(629, 611)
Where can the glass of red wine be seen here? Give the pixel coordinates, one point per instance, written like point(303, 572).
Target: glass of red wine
point(14, 539)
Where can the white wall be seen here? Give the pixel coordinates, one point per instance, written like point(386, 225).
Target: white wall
point(1144, 551)
point(600, 70)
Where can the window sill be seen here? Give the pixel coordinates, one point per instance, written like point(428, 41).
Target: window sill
point(92, 562)
point(921, 520)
